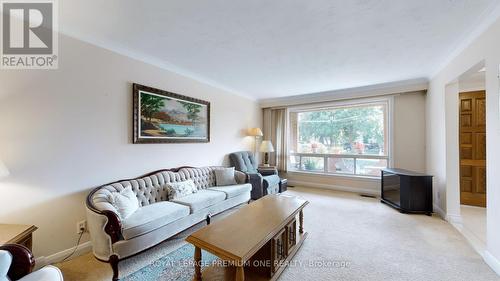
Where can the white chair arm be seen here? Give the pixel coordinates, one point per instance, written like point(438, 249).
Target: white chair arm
point(5, 262)
point(48, 273)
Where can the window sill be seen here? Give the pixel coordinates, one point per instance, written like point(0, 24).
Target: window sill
point(347, 176)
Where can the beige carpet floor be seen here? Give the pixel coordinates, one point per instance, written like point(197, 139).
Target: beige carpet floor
point(350, 238)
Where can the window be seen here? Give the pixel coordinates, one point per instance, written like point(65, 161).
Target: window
point(344, 139)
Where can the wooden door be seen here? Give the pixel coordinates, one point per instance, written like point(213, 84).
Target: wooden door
point(473, 148)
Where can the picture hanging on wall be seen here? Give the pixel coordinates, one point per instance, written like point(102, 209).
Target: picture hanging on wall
point(165, 117)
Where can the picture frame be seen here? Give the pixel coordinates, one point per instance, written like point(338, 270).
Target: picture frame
point(164, 117)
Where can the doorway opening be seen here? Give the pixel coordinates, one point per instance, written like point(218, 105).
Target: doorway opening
point(472, 153)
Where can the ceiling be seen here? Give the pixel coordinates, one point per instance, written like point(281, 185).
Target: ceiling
point(268, 49)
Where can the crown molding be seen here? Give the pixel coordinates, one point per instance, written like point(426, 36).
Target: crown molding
point(398, 87)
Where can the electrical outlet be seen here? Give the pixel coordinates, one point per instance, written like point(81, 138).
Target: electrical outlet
point(81, 227)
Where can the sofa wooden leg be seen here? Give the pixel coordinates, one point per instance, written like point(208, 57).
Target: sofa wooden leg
point(249, 201)
point(113, 261)
point(209, 218)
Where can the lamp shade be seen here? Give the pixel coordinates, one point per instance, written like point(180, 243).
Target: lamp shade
point(266, 146)
point(3, 170)
point(255, 132)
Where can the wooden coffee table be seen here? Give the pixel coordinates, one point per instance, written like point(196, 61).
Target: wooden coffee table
point(255, 243)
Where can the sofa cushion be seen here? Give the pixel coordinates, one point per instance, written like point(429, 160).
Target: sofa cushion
point(181, 189)
point(225, 176)
point(124, 202)
point(233, 190)
point(201, 199)
point(152, 217)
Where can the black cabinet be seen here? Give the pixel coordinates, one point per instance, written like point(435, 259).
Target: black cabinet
point(407, 191)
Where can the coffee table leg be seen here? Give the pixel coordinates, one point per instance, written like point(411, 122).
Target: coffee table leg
point(197, 264)
point(301, 222)
point(240, 273)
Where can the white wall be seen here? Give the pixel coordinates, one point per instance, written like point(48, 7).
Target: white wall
point(471, 83)
point(408, 148)
point(485, 47)
point(452, 153)
point(409, 131)
point(65, 131)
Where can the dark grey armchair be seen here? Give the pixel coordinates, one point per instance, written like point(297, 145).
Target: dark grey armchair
point(263, 183)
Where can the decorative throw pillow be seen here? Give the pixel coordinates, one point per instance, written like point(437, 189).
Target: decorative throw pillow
point(180, 189)
point(125, 202)
point(5, 262)
point(225, 176)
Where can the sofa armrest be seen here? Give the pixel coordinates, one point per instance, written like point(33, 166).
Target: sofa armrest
point(257, 186)
point(114, 226)
point(22, 260)
point(105, 228)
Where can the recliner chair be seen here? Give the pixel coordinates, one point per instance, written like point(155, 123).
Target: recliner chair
point(263, 182)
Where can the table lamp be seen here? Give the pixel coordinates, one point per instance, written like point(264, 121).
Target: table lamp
point(3, 170)
point(266, 147)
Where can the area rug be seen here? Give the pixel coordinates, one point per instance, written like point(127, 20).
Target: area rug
point(178, 265)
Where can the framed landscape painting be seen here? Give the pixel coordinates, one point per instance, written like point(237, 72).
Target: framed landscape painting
point(165, 117)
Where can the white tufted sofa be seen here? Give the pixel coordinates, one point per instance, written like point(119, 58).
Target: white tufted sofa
point(157, 219)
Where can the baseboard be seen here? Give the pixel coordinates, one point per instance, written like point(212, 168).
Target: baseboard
point(451, 218)
point(336, 187)
point(493, 262)
point(58, 257)
point(454, 219)
point(476, 243)
point(439, 211)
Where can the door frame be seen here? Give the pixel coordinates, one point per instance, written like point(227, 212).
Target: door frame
point(452, 131)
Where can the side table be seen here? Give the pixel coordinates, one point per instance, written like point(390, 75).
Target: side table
point(266, 171)
point(283, 185)
point(17, 234)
